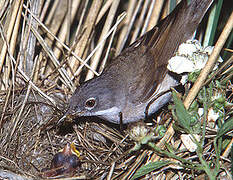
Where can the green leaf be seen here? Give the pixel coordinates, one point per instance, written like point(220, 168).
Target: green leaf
point(172, 5)
point(226, 127)
point(183, 117)
point(212, 24)
point(149, 168)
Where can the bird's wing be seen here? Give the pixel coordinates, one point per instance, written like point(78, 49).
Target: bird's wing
point(158, 45)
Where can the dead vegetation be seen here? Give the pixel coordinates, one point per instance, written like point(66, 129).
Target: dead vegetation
point(47, 49)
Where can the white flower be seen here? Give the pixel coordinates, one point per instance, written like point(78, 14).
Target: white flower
point(209, 50)
point(187, 49)
point(200, 111)
point(195, 42)
point(184, 79)
point(189, 142)
point(212, 116)
point(199, 60)
point(216, 95)
point(138, 132)
point(180, 64)
point(190, 57)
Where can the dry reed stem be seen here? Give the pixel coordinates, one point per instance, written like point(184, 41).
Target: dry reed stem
point(26, 78)
point(80, 23)
point(4, 49)
point(140, 21)
point(11, 70)
point(147, 19)
point(65, 29)
point(103, 10)
point(3, 7)
point(129, 28)
point(155, 14)
point(44, 10)
point(16, 122)
point(229, 61)
point(96, 48)
point(109, 177)
point(65, 78)
point(129, 12)
point(55, 19)
point(109, 21)
point(103, 63)
point(64, 46)
point(14, 39)
point(50, 16)
point(227, 151)
point(28, 50)
point(88, 27)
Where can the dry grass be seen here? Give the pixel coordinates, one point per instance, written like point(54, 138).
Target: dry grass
point(47, 48)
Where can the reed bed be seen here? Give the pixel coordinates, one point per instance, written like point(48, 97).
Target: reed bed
point(49, 47)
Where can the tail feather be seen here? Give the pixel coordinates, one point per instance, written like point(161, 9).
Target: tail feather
point(175, 29)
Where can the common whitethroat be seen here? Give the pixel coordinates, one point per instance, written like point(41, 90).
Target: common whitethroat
point(138, 77)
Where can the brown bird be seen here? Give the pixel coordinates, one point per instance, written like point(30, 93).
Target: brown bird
point(139, 75)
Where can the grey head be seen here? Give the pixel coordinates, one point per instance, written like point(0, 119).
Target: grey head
point(95, 98)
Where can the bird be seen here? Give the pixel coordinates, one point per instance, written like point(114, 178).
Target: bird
point(137, 82)
point(65, 162)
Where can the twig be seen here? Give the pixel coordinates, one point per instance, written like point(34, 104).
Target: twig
point(89, 25)
point(130, 26)
point(147, 20)
point(91, 54)
point(155, 14)
point(107, 25)
point(24, 75)
point(126, 22)
point(65, 46)
point(10, 30)
point(140, 22)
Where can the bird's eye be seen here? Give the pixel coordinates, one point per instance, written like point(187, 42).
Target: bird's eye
point(90, 103)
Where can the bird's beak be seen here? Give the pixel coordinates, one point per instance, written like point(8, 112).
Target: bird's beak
point(69, 115)
point(62, 119)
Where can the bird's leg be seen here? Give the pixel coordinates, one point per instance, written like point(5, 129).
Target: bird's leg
point(152, 101)
point(121, 120)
